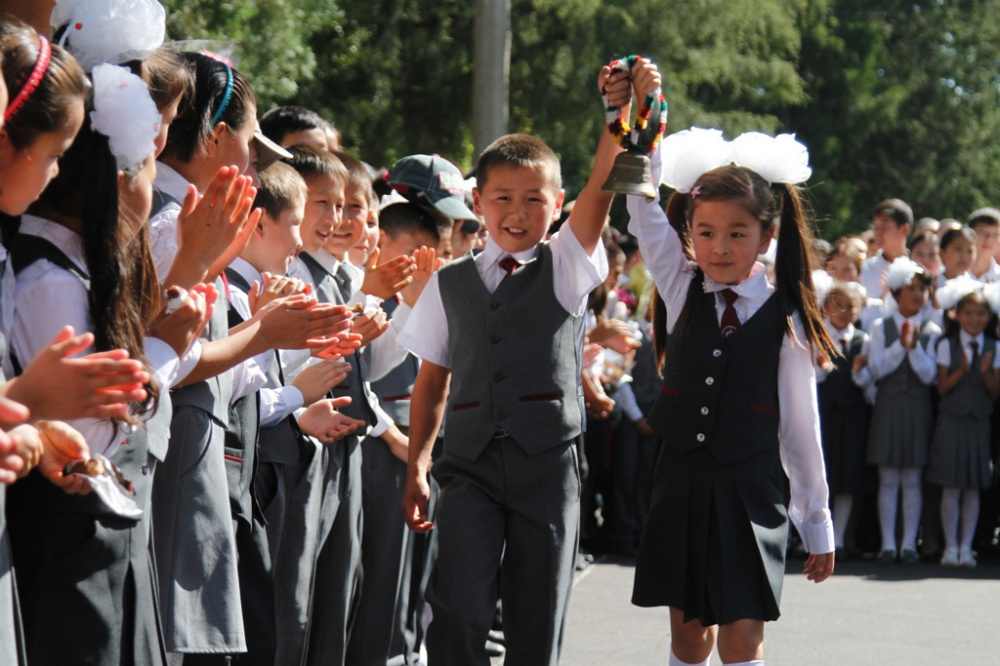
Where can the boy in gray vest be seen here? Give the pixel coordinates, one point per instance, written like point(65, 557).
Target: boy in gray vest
point(504, 329)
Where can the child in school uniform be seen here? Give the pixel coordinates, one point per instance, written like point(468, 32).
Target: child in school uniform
point(902, 362)
point(504, 329)
point(985, 223)
point(840, 386)
point(969, 382)
point(957, 252)
point(737, 408)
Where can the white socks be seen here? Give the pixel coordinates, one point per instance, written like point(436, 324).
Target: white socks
point(891, 479)
point(674, 661)
point(950, 513)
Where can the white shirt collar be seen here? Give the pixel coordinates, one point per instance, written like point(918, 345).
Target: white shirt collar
point(845, 334)
point(247, 271)
point(965, 339)
point(329, 262)
point(754, 288)
point(493, 253)
point(900, 319)
point(170, 182)
point(67, 240)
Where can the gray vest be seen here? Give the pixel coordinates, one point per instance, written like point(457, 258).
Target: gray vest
point(213, 394)
point(903, 382)
point(394, 390)
point(720, 393)
point(354, 386)
point(969, 396)
point(516, 359)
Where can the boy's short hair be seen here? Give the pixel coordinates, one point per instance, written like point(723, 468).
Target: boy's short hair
point(358, 175)
point(409, 218)
point(989, 217)
point(311, 162)
point(284, 120)
point(953, 235)
point(520, 151)
point(281, 187)
point(895, 209)
point(928, 237)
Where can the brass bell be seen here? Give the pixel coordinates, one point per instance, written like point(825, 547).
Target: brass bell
point(630, 174)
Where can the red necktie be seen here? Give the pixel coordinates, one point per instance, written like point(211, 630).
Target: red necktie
point(975, 353)
point(730, 320)
point(508, 264)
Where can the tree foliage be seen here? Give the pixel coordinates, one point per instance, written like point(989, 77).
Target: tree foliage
point(893, 99)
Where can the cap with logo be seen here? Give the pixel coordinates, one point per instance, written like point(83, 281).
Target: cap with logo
point(437, 179)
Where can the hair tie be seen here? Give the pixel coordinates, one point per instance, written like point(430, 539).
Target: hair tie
point(225, 96)
point(37, 74)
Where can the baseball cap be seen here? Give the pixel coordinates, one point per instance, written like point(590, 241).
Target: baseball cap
point(437, 179)
point(268, 152)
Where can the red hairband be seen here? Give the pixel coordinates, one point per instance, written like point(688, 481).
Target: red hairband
point(37, 74)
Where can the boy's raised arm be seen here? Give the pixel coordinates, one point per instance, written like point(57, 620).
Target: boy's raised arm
point(592, 206)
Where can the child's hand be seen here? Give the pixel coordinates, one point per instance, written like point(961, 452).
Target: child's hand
point(299, 322)
point(819, 567)
point(425, 262)
point(643, 428)
point(614, 334)
point(11, 413)
point(415, 498)
point(986, 363)
point(860, 362)
point(908, 335)
point(274, 287)
point(10, 462)
point(346, 344)
point(213, 228)
point(316, 381)
point(181, 328)
point(384, 280)
point(99, 385)
point(370, 326)
point(62, 444)
point(616, 86)
point(645, 78)
point(322, 420)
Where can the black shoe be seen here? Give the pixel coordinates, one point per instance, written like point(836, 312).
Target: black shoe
point(909, 556)
point(886, 555)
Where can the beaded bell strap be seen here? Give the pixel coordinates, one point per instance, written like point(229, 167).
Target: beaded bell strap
point(628, 137)
point(34, 79)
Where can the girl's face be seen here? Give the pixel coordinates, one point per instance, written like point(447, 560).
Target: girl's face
point(927, 255)
point(842, 269)
point(727, 240)
point(973, 318)
point(957, 257)
point(169, 112)
point(912, 298)
point(615, 269)
point(25, 173)
point(841, 310)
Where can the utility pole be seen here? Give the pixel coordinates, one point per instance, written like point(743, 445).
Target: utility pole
point(491, 75)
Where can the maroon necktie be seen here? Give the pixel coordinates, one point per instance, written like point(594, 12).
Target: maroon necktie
point(975, 353)
point(730, 321)
point(508, 264)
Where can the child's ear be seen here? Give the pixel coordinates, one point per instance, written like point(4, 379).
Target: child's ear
point(212, 140)
point(7, 150)
point(477, 204)
point(765, 239)
point(381, 237)
point(559, 204)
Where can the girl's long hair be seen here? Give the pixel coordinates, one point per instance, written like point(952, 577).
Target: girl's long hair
point(124, 294)
point(767, 203)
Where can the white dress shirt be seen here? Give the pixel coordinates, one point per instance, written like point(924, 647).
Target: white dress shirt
point(798, 429)
point(575, 275)
point(991, 275)
point(883, 360)
point(944, 349)
point(48, 297)
point(872, 271)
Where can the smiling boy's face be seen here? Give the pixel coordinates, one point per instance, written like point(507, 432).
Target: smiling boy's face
point(323, 210)
point(518, 204)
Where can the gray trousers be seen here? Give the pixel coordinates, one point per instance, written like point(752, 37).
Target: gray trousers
point(507, 511)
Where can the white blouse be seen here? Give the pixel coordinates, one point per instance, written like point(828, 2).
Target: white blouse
point(799, 429)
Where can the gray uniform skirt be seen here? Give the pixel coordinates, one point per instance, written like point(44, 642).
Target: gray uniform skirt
point(900, 434)
point(714, 542)
point(960, 452)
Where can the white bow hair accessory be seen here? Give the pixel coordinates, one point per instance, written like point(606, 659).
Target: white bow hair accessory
point(951, 292)
point(901, 272)
point(125, 113)
point(690, 153)
point(110, 31)
point(821, 285)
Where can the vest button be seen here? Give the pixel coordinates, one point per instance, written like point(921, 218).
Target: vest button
point(494, 339)
point(145, 470)
point(716, 353)
point(498, 377)
point(700, 437)
point(709, 380)
point(704, 411)
point(494, 305)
